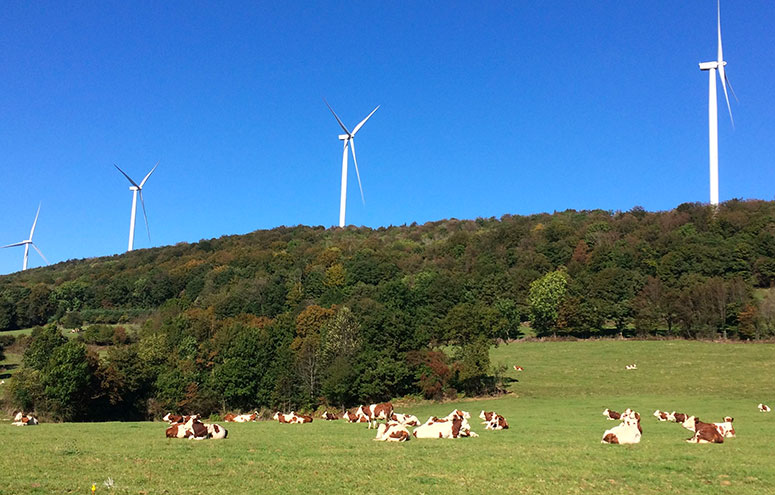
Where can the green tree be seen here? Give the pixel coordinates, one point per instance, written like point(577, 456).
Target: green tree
point(67, 381)
point(545, 297)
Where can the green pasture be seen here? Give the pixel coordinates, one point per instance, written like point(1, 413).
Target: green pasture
point(552, 447)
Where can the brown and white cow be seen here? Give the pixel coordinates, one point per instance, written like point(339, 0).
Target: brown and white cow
point(216, 431)
point(352, 417)
point(24, 419)
point(329, 416)
point(631, 367)
point(678, 417)
point(611, 414)
point(301, 418)
point(725, 428)
point(764, 408)
point(392, 432)
point(662, 415)
point(518, 368)
point(457, 413)
point(196, 430)
point(497, 422)
point(444, 428)
point(486, 416)
point(375, 412)
point(244, 418)
point(284, 418)
point(703, 432)
point(173, 418)
point(405, 419)
point(627, 432)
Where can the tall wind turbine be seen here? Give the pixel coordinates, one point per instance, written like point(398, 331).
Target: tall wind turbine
point(137, 189)
point(711, 67)
point(29, 243)
point(348, 139)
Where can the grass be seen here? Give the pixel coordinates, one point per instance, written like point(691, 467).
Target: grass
point(553, 445)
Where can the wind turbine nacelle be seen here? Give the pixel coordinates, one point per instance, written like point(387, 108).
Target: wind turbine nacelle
point(709, 65)
point(343, 137)
point(134, 188)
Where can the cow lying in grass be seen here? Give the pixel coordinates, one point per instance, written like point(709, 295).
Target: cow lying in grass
point(455, 427)
point(703, 432)
point(663, 416)
point(240, 418)
point(493, 420)
point(611, 414)
point(392, 432)
point(329, 416)
point(352, 417)
point(764, 408)
point(194, 429)
point(22, 419)
point(405, 419)
point(292, 418)
point(627, 432)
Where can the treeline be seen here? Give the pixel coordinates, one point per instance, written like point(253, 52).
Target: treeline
point(304, 316)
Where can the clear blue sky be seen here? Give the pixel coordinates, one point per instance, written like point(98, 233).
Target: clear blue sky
point(487, 108)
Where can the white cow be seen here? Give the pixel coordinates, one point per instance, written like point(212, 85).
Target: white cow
point(392, 432)
point(626, 432)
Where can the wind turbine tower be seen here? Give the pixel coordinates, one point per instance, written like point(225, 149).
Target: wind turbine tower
point(137, 189)
point(349, 141)
point(712, 67)
point(27, 243)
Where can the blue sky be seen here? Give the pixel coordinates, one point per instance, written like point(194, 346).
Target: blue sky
point(502, 107)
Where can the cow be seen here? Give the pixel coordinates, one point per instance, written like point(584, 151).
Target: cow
point(216, 431)
point(301, 418)
point(448, 428)
point(611, 414)
point(497, 422)
point(284, 418)
point(22, 419)
point(329, 416)
point(725, 428)
point(405, 419)
point(486, 416)
point(678, 417)
point(631, 367)
point(627, 432)
point(351, 417)
point(392, 432)
point(176, 430)
point(374, 412)
point(457, 413)
point(764, 408)
point(196, 430)
point(243, 418)
point(173, 418)
point(662, 415)
point(518, 368)
point(703, 432)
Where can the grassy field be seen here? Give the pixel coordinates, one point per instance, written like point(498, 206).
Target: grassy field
point(553, 446)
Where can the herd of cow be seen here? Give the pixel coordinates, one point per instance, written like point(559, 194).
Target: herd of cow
point(394, 428)
point(629, 430)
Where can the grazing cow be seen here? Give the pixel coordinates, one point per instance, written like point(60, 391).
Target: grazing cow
point(329, 416)
point(374, 412)
point(405, 419)
point(518, 368)
point(216, 431)
point(764, 408)
point(454, 428)
point(725, 428)
point(662, 415)
point(392, 432)
point(703, 432)
point(627, 432)
point(611, 414)
point(497, 422)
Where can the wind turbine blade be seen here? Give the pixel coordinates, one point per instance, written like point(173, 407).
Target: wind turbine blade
point(40, 253)
point(357, 173)
point(127, 177)
point(14, 245)
point(731, 88)
point(337, 118)
point(32, 230)
point(149, 174)
point(148, 229)
point(364, 121)
point(721, 72)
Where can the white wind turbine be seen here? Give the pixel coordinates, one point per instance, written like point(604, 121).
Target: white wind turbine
point(711, 67)
point(348, 139)
point(29, 243)
point(137, 189)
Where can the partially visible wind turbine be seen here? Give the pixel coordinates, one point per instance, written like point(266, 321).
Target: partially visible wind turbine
point(29, 243)
point(137, 189)
point(348, 139)
point(711, 67)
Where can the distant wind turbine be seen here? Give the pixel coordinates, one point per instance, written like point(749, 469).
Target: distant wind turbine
point(137, 189)
point(29, 243)
point(349, 140)
point(711, 67)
